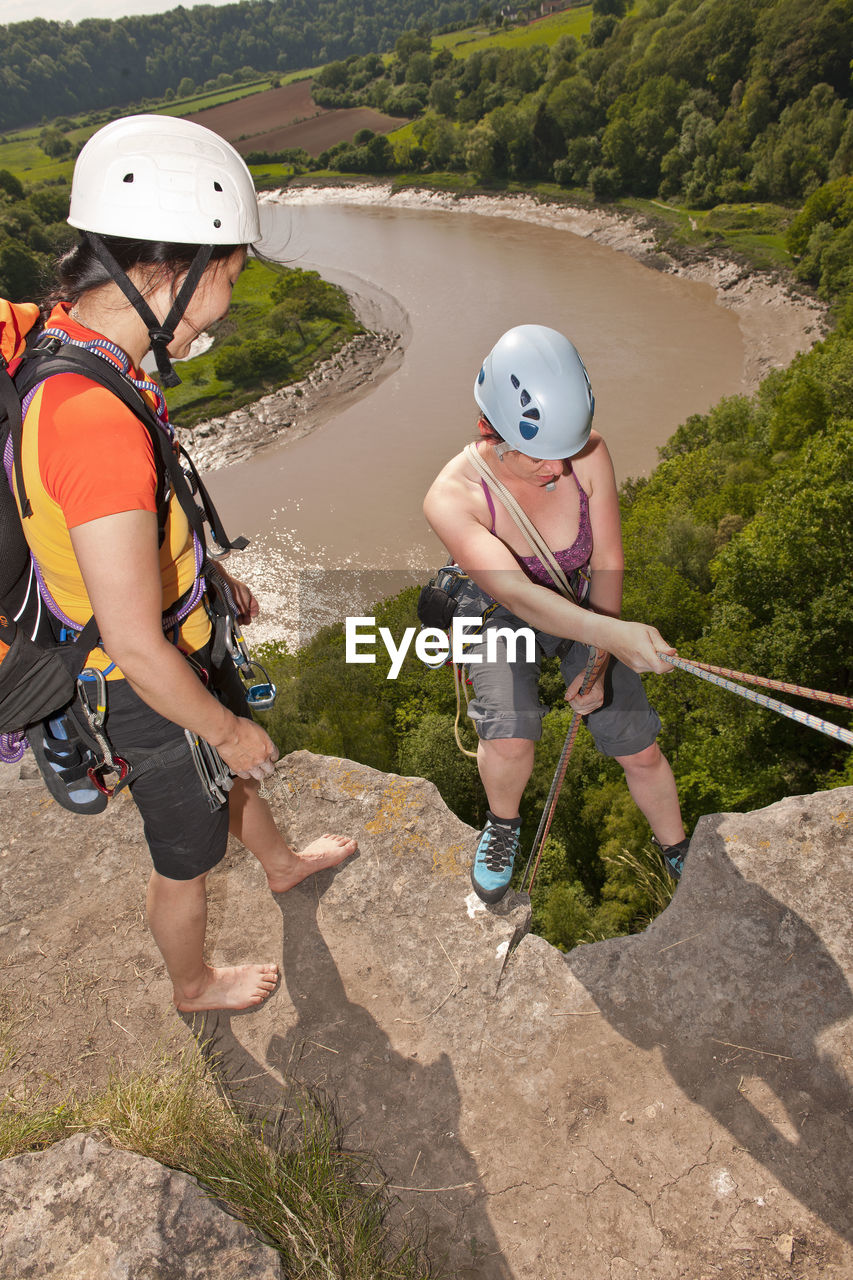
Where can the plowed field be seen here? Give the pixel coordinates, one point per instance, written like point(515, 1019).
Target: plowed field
point(289, 117)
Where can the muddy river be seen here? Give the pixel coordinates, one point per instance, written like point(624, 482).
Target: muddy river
point(347, 498)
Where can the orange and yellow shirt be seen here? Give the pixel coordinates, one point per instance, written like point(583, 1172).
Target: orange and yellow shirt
point(86, 455)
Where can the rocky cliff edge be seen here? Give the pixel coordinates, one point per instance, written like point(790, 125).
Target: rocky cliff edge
point(675, 1104)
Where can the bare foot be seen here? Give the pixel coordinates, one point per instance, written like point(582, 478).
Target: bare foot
point(327, 851)
point(237, 987)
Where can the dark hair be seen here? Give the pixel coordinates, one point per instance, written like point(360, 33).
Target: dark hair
point(80, 269)
point(489, 433)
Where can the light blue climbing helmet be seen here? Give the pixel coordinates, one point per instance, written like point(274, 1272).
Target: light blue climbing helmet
point(535, 391)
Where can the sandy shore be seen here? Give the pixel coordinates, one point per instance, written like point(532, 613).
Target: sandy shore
point(775, 321)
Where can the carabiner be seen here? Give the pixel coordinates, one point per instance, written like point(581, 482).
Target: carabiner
point(117, 765)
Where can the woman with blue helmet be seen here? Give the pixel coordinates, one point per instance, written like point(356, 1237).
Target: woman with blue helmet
point(536, 436)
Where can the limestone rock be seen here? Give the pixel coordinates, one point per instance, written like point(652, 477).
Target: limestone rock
point(675, 1105)
point(81, 1210)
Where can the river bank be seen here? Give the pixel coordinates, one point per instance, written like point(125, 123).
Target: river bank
point(775, 321)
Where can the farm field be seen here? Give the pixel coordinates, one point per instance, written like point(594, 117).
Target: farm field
point(571, 22)
point(289, 117)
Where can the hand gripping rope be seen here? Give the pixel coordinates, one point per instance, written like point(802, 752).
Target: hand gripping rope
point(717, 676)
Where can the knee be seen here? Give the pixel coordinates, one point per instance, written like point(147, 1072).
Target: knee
point(507, 749)
point(641, 761)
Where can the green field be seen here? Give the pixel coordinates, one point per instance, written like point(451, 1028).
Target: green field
point(571, 22)
point(754, 231)
point(204, 391)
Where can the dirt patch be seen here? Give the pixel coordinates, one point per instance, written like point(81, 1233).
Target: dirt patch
point(289, 117)
point(324, 130)
point(260, 111)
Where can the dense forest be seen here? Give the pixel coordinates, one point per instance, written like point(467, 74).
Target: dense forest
point(58, 68)
point(700, 100)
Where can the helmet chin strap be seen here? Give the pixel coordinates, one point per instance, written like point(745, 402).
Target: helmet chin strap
point(161, 333)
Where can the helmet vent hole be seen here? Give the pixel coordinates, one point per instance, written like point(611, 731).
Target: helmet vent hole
point(525, 399)
point(217, 187)
point(532, 413)
point(217, 223)
point(514, 380)
point(128, 177)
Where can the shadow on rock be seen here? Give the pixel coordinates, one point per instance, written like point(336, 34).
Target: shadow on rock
point(741, 996)
point(403, 1111)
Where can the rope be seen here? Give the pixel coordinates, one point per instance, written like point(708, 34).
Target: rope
point(837, 699)
point(793, 713)
point(559, 776)
point(459, 682)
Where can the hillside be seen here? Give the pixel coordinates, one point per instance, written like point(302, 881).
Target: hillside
point(58, 69)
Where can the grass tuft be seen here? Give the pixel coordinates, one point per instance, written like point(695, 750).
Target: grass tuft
point(649, 873)
point(288, 1177)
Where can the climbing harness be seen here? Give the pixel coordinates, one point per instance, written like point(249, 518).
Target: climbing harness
point(87, 752)
point(717, 676)
point(437, 599)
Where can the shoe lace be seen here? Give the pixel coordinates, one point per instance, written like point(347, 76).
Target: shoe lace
point(501, 848)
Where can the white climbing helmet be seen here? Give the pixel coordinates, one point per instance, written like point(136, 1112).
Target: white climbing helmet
point(535, 391)
point(151, 177)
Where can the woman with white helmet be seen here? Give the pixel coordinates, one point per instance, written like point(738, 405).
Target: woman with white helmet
point(536, 436)
point(166, 210)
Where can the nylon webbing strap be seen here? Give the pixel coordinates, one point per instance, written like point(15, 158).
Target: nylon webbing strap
point(525, 524)
point(10, 402)
point(160, 332)
point(77, 360)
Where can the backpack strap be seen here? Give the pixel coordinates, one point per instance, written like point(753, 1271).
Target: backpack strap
point(53, 357)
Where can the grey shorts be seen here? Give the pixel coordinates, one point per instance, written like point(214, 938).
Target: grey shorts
point(506, 691)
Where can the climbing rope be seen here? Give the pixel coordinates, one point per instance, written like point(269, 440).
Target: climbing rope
point(590, 673)
point(716, 675)
point(837, 699)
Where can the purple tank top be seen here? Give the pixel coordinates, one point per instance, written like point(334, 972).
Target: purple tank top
point(571, 559)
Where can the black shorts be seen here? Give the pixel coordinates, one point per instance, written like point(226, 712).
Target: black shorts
point(184, 836)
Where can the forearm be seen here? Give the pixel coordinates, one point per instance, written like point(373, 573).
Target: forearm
point(633, 643)
point(605, 592)
point(163, 678)
point(548, 611)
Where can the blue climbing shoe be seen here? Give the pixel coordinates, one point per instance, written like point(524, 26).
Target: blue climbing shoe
point(674, 855)
point(65, 759)
point(492, 869)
